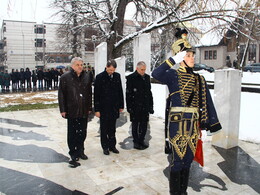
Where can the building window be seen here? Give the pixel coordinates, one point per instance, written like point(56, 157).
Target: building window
point(214, 54)
point(39, 56)
point(40, 43)
point(5, 43)
point(241, 51)
point(39, 29)
point(206, 55)
point(252, 53)
point(3, 57)
point(2, 45)
point(210, 55)
point(58, 57)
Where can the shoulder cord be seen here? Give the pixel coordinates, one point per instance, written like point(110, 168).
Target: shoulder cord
point(181, 90)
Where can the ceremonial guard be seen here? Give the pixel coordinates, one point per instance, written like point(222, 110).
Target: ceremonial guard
point(189, 109)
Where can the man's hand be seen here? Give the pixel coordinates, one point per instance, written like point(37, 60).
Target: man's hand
point(97, 114)
point(179, 57)
point(151, 111)
point(63, 114)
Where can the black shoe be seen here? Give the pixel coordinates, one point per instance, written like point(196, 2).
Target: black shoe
point(144, 145)
point(114, 150)
point(73, 158)
point(138, 146)
point(83, 156)
point(74, 164)
point(106, 151)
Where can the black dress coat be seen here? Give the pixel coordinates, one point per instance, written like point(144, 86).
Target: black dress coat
point(139, 99)
point(108, 95)
point(75, 94)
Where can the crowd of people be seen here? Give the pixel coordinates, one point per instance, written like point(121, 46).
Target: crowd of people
point(27, 80)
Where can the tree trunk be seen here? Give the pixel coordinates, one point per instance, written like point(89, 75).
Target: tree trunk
point(117, 27)
point(74, 31)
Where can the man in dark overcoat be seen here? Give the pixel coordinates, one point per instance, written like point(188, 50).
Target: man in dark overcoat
point(75, 102)
point(27, 76)
point(139, 101)
point(108, 103)
point(40, 76)
point(22, 78)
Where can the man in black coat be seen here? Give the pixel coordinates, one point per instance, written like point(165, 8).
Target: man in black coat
point(40, 76)
point(75, 102)
point(108, 103)
point(22, 78)
point(27, 76)
point(139, 101)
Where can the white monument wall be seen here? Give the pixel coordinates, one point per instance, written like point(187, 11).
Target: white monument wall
point(142, 51)
point(227, 96)
point(100, 57)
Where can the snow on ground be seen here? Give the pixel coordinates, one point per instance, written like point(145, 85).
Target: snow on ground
point(247, 77)
point(45, 97)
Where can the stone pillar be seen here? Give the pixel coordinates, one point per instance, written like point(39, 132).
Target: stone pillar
point(121, 70)
point(227, 95)
point(159, 101)
point(100, 57)
point(142, 51)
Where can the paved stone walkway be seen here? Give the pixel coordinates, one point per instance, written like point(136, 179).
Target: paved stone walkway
point(34, 160)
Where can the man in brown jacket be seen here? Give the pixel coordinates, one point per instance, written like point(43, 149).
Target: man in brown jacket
point(75, 102)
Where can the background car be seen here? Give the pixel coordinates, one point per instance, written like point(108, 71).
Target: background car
point(203, 67)
point(255, 67)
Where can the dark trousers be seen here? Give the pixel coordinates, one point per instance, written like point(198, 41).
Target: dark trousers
point(139, 130)
point(108, 132)
point(28, 82)
point(40, 84)
point(77, 133)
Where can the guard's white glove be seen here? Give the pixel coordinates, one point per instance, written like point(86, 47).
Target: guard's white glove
point(179, 57)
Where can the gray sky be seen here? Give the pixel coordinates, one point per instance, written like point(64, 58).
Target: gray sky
point(34, 11)
point(26, 10)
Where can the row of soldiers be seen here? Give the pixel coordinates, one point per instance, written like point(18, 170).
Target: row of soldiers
point(26, 80)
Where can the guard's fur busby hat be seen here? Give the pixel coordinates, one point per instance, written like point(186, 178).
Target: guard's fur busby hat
point(182, 44)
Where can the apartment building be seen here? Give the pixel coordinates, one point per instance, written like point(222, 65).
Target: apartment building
point(28, 44)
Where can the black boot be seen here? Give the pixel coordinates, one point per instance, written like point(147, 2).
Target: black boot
point(175, 181)
point(184, 181)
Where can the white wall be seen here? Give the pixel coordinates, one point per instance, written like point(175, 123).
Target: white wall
point(221, 56)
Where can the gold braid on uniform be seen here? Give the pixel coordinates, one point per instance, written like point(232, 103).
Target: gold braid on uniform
point(188, 82)
point(204, 112)
point(186, 136)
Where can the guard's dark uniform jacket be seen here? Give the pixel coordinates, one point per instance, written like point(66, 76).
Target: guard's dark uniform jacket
point(75, 94)
point(190, 108)
point(139, 99)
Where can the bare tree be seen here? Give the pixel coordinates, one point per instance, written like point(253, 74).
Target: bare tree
point(109, 16)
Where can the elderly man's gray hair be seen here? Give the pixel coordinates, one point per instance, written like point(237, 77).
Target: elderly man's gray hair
point(141, 63)
point(76, 59)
